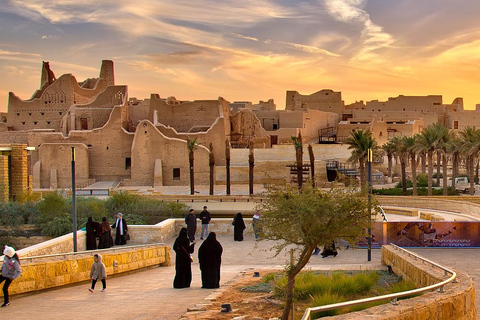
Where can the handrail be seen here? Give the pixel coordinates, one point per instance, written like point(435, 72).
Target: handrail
point(113, 249)
point(393, 296)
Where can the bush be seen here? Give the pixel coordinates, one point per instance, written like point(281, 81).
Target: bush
point(57, 227)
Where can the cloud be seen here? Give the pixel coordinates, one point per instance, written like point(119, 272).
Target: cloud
point(372, 35)
point(302, 47)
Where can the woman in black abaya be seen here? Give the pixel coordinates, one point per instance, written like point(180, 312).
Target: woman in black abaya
point(183, 263)
point(210, 258)
point(92, 229)
point(238, 227)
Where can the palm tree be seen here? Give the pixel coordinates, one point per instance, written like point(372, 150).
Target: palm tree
point(389, 149)
point(192, 146)
point(251, 164)
point(211, 163)
point(312, 163)
point(471, 147)
point(454, 148)
point(359, 142)
point(402, 153)
point(297, 143)
point(227, 165)
point(410, 144)
point(428, 141)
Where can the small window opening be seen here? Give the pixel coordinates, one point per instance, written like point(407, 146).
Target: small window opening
point(176, 173)
point(128, 163)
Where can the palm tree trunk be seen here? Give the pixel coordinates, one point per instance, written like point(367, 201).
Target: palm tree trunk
point(424, 163)
point(192, 176)
point(312, 163)
point(438, 167)
point(454, 170)
point(471, 174)
point(251, 164)
point(445, 162)
point(363, 181)
point(299, 156)
point(227, 165)
point(404, 174)
point(414, 173)
point(389, 169)
point(211, 163)
point(430, 171)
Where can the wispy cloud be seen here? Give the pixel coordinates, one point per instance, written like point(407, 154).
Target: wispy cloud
point(352, 12)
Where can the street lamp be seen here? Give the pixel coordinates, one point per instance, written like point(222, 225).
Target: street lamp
point(369, 163)
point(74, 204)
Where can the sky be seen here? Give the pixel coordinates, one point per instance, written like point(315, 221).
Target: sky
point(248, 50)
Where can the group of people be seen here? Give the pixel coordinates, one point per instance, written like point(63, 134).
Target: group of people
point(209, 258)
point(209, 253)
point(103, 231)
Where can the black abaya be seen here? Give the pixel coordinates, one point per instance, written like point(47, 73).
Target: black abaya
point(183, 264)
point(238, 227)
point(92, 229)
point(210, 259)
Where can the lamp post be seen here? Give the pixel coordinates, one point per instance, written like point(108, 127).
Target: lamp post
point(74, 204)
point(369, 165)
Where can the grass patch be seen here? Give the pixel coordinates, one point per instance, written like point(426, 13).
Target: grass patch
point(314, 289)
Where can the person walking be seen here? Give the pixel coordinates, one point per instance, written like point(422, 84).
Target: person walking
point(10, 271)
point(121, 229)
point(256, 224)
point(210, 259)
point(98, 272)
point(191, 222)
point(205, 219)
point(105, 235)
point(238, 227)
point(183, 261)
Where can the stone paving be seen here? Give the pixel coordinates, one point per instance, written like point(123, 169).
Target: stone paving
point(149, 294)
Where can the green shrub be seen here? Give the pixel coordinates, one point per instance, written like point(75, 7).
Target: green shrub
point(58, 226)
point(325, 299)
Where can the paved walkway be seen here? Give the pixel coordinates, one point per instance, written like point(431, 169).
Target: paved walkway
point(149, 294)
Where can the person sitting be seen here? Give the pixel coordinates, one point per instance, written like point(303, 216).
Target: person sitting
point(329, 250)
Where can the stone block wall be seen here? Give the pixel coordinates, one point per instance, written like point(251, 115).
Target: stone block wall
point(4, 185)
point(456, 302)
point(49, 272)
point(19, 169)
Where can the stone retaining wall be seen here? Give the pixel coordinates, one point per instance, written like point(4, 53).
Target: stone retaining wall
point(49, 272)
point(456, 302)
point(434, 203)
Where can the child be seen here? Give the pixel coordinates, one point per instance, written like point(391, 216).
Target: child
point(10, 271)
point(98, 272)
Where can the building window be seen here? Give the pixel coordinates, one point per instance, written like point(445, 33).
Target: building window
point(275, 126)
point(455, 124)
point(128, 163)
point(176, 173)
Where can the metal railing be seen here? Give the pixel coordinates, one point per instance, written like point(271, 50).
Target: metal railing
point(393, 296)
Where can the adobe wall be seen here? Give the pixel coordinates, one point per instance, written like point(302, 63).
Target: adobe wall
point(55, 165)
point(325, 100)
point(173, 154)
point(47, 111)
point(214, 135)
point(430, 103)
point(467, 118)
point(456, 302)
point(184, 116)
point(245, 127)
point(427, 118)
point(108, 147)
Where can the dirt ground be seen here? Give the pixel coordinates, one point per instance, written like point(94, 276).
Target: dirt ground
point(254, 305)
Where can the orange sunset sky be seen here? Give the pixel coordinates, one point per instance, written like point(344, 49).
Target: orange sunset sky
point(248, 50)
